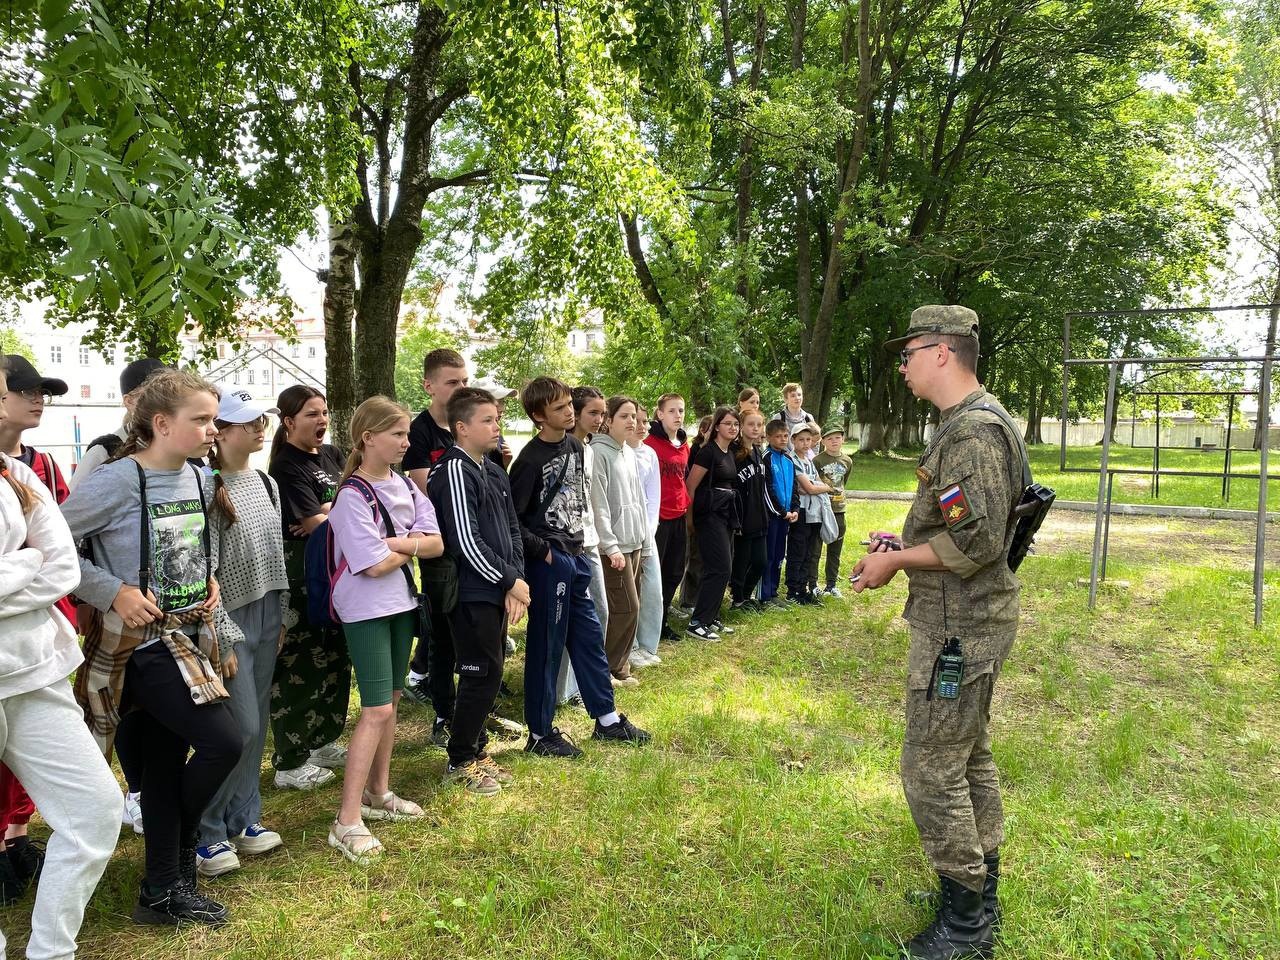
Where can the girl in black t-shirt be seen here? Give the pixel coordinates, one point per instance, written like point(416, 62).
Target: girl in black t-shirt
point(712, 472)
point(313, 672)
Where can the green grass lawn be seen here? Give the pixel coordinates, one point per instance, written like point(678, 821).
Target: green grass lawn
point(1138, 745)
point(897, 472)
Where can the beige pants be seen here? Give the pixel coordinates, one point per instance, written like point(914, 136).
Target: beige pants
point(622, 587)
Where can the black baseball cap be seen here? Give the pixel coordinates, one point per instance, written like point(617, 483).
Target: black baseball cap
point(136, 373)
point(21, 375)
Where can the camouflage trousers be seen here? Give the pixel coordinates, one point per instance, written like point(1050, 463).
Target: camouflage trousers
point(948, 773)
point(309, 694)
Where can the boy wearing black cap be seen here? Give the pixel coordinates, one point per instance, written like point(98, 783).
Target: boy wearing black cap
point(101, 449)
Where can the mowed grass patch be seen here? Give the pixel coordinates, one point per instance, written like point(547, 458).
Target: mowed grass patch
point(896, 471)
point(1137, 743)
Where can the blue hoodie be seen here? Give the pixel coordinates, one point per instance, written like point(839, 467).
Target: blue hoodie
point(780, 470)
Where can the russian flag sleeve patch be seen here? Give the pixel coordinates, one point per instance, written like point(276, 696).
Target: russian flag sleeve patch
point(954, 504)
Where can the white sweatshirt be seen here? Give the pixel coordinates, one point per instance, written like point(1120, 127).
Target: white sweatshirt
point(38, 566)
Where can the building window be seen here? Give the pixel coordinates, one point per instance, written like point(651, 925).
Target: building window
point(311, 352)
point(296, 351)
point(84, 391)
point(222, 351)
point(111, 395)
point(573, 339)
point(266, 374)
point(55, 354)
point(84, 356)
point(235, 378)
point(250, 380)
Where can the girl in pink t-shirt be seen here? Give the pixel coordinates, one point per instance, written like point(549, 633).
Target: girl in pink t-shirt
point(375, 599)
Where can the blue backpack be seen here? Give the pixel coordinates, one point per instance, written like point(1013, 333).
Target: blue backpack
point(319, 571)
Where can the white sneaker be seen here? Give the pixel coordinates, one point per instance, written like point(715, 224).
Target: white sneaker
point(654, 659)
point(637, 660)
point(255, 839)
point(834, 592)
point(306, 777)
point(131, 816)
point(330, 755)
point(216, 859)
point(510, 647)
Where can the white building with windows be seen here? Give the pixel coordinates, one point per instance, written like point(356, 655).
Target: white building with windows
point(265, 363)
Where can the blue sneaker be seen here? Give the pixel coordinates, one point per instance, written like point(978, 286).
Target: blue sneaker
point(256, 839)
point(216, 859)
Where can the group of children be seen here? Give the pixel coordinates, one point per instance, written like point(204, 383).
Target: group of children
point(217, 602)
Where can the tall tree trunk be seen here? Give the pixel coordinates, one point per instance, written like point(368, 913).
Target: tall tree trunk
point(815, 360)
point(1259, 438)
point(799, 12)
point(1032, 432)
point(746, 148)
point(388, 236)
point(339, 312)
point(875, 435)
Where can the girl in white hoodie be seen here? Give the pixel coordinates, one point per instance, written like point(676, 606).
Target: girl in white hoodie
point(621, 521)
point(43, 737)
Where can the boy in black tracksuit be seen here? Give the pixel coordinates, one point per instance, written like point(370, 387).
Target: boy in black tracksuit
point(473, 503)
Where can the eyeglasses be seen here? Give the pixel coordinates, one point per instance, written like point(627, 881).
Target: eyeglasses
point(906, 354)
point(253, 426)
point(31, 396)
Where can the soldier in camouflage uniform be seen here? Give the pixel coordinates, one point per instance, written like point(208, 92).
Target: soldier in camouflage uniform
point(954, 548)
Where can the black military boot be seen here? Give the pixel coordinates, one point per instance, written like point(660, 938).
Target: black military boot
point(990, 901)
point(959, 930)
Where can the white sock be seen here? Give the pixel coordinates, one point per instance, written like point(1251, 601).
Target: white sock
point(416, 677)
point(536, 736)
point(609, 719)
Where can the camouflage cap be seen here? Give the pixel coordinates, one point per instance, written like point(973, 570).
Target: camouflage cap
point(950, 319)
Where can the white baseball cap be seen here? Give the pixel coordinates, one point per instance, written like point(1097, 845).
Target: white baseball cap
point(493, 386)
point(238, 406)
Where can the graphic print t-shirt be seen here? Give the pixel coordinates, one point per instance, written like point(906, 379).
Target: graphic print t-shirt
point(834, 471)
point(541, 468)
point(179, 575)
point(307, 481)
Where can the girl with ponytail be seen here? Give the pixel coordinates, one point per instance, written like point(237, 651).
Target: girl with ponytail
point(249, 546)
point(313, 672)
point(43, 739)
point(152, 676)
point(380, 522)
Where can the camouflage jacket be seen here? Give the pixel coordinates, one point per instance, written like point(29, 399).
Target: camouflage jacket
point(970, 479)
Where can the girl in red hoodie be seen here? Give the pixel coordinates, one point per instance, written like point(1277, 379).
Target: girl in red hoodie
point(667, 440)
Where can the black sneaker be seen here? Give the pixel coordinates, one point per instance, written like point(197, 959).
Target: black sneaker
point(187, 864)
point(178, 904)
point(554, 744)
point(702, 632)
point(415, 691)
point(669, 635)
point(719, 627)
point(440, 732)
point(623, 731)
point(26, 857)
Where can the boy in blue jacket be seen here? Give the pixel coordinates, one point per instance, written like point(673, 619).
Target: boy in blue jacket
point(780, 474)
point(472, 497)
